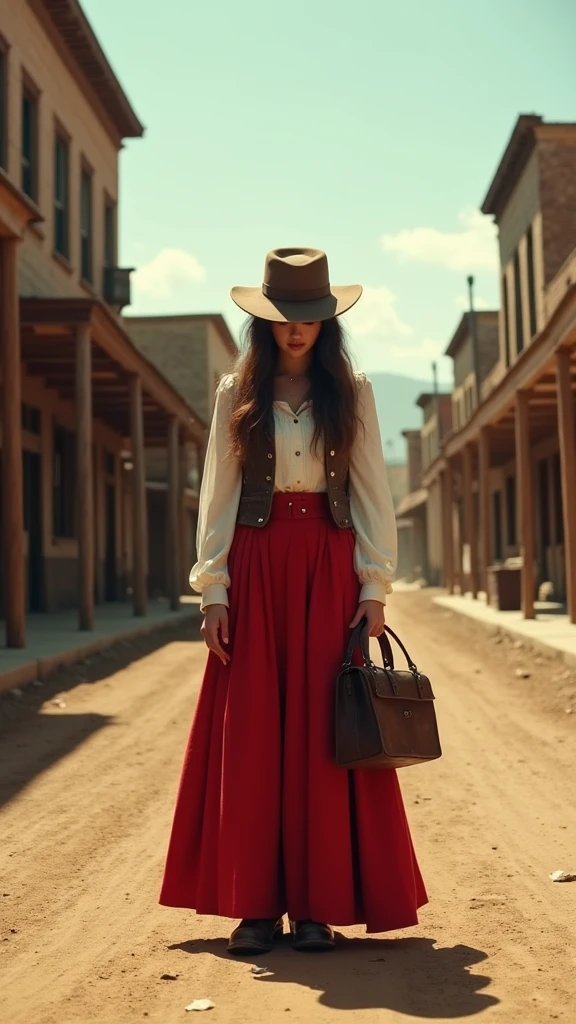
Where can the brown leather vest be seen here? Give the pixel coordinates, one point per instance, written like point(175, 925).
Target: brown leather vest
point(259, 472)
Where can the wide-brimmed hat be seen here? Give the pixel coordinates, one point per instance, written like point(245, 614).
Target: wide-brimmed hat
point(296, 287)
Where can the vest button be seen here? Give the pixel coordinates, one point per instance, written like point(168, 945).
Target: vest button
point(344, 522)
point(332, 473)
point(335, 502)
point(269, 455)
point(332, 453)
point(268, 478)
point(260, 520)
point(297, 453)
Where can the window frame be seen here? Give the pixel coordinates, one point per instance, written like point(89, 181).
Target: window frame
point(61, 136)
point(63, 483)
point(518, 311)
point(110, 239)
point(4, 101)
point(86, 174)
point(531, 282)
point(30, 164)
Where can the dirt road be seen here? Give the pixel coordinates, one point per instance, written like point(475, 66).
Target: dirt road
point(86, 799)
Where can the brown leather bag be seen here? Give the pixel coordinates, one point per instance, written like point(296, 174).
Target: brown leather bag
point(385, 717)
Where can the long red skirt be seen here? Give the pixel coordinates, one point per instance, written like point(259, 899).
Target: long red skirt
point(265, 823)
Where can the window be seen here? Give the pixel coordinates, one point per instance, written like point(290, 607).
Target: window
point(518, 305)
point(531, 282)
point(86, 225)
point(64, 483)
point(30, 142)
point(3, 104)
point(61, 208)
point(511, 511)
point(506, 320)
point(109, 233)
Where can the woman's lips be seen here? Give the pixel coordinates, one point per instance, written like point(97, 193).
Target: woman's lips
point(296, 344)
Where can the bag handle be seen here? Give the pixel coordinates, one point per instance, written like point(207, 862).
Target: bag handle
point(359, 635)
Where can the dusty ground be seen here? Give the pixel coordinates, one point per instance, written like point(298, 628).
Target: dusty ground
point(87, 793)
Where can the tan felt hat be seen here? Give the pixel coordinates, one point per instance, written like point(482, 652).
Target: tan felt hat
point(296, 287)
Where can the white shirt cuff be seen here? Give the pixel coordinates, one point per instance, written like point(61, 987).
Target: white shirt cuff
point(374, 592)
point(214, 593)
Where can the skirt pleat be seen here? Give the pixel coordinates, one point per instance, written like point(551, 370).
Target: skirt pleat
point(265, 822)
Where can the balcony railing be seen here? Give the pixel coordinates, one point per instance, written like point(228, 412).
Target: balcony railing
point(117, 286)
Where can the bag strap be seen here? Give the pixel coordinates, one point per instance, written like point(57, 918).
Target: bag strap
point(359, 635)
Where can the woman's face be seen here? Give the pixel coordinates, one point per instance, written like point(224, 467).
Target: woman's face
point(296, 339)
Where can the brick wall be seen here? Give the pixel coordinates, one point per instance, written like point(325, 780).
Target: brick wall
point(558, 196)
point(179, 348)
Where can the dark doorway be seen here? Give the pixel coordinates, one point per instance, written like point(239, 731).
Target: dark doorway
point(110, 582)
point(33, 527)
point(497, 514)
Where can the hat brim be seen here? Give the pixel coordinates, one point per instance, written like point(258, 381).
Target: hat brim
point(253, 301)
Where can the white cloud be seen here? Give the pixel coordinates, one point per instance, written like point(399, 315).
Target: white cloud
point(472, 248)
point(167, 277)
point(376, 314)
point(382, 341)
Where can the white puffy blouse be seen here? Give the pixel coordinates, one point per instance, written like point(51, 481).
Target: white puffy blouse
point(297, 469)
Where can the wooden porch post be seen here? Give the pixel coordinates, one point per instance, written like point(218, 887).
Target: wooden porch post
point(470, 526)
point(567, 433)
point(448, 526)
point(485, 505)
point(173, 516)
point(185, 563)
point(12, 482)
point(139, 510)
point(85, 478)
point(524, 501)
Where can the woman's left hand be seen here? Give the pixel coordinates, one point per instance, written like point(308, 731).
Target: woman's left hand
point(374, 613)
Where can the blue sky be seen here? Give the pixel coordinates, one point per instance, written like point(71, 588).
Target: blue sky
point(370, 130)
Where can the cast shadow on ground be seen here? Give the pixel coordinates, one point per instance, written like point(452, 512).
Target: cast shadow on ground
point(30, 742)
point(408, 975)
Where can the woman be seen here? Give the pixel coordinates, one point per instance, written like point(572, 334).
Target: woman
point(296, 543)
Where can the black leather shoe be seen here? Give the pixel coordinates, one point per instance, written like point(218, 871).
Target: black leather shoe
point(312, 937)
point(255, 935)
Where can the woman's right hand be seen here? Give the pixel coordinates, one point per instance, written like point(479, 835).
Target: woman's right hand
point(215, 630)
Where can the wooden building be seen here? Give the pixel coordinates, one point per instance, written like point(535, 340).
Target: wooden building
point(193, 351)
point(510, 460)
point(79, 402)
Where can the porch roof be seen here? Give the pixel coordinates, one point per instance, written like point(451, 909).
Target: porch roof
point(48, 328)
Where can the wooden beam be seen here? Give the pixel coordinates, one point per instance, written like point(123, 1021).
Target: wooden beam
point(173, 515)
point(447, 478)
point(85, 478)
point(12, 483)
point(139, 508)
point(524, 501)
point(485, 505)
point(470, 527)
point(567, 433)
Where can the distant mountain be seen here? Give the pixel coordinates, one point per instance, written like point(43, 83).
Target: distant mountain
point(395, 400)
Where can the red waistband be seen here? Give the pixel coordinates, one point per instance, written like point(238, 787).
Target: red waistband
point(300, 505)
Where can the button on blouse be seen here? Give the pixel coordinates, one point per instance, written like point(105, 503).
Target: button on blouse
point(298, 468)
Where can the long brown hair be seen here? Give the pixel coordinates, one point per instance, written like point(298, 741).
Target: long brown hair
point(333, 389)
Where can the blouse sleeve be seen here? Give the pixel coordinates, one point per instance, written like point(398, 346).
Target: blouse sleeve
point(371, 506)
point(219, 500)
